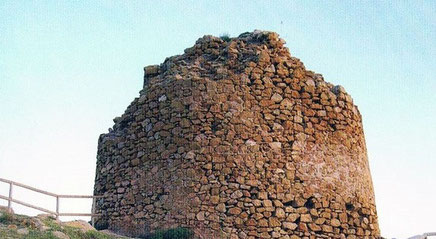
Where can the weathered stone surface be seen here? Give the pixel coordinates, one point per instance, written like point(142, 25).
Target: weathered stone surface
point(335, 222)
point(200, 216)
point(274, 222)
point(276, 98)
point(80, 224)
point(221, 207)
point(290, 225)
point(235, 211)
point(280, 213)
point(237, 140)
point(305, 218)
point(23, 231)
point(60, 235)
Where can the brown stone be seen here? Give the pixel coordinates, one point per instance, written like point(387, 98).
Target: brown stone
point(252, 182)
point(276, 98)
point(214, 199)
point(275, 145)
point(280, 213)
point(343, 217)
point(151, 70)
point(262, 223)
point(289, 225)
point(266, 103)
point(262, 195)
point(267, 203)
point(327, 228)
point(335, 222)
point(303, 227)
point(236, 194)
point(314, 227)
point(292, 217)
point(264, 57)
point(221, 207)
point(234, 211)
point(305, 218)
point(200, 216)
point(135, 162)
point(251, 222)
point(274, 222)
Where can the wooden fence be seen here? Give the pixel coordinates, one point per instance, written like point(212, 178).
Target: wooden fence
point(11, 200)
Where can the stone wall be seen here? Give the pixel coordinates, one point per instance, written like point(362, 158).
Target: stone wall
point(236, 139)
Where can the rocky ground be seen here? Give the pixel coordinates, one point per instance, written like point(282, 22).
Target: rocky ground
point(47, 227)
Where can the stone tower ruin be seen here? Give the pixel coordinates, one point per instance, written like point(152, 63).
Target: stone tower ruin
point(236, 139)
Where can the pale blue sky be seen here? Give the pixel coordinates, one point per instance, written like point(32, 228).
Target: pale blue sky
point(67, 68)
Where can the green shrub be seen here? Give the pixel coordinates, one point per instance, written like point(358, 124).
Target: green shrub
point(96, 235)
point(225, 37)
point(244, 34)
point(6, 218)
point(175, 233)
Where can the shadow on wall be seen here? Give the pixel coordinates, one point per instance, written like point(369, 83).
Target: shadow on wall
point(175, 233)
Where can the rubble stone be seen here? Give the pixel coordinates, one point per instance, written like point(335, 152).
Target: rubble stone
point(237, 140)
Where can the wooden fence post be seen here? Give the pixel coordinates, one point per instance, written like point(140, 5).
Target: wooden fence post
point(57, 207)
point(10, 197)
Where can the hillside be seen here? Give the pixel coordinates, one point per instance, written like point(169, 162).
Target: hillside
point(44, 226)
point(47, 227)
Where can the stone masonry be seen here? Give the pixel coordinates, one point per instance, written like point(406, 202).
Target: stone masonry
point(236, 139)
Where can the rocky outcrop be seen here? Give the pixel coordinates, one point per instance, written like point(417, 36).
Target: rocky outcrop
point(236, 139)
point(15, 226)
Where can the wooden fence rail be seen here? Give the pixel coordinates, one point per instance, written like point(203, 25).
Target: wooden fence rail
point(11, 200)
